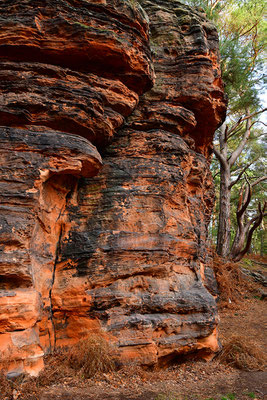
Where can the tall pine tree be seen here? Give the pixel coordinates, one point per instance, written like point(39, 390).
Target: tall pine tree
point(242, 30)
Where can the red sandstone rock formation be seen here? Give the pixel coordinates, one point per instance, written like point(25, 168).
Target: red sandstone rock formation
point(121, 249)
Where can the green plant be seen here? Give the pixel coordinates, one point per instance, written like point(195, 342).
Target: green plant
point(162, 396)
point(82, 25)
point(252, 395)
point(230, 396)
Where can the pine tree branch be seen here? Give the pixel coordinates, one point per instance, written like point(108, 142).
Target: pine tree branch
point(214, 4)
point(246, 200)
point(220, 158)
point(244, 119)
point(252, 220)
point(261, 122)
point(248, 30)
point(256, 224)
point(234, 127)
point(238, 129)
point(217, 173)
point(262, 178)
point(240, 175)
point(236, 153)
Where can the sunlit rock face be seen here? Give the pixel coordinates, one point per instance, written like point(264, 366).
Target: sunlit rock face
point(106, 192)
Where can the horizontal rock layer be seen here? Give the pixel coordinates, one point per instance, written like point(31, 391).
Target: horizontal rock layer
point(136, 256)
point(39, 170)
point(61, 99)
point(108, 38)
point(118, 249)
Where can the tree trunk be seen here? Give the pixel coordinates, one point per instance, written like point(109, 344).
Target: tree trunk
point(239, 243)
point(244, 233)
point(223, 237)
point(262, 242)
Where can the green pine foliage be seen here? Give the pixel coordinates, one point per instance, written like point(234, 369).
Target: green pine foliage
point(242, 30)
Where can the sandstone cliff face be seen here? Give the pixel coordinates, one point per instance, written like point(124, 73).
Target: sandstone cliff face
point(117, 244)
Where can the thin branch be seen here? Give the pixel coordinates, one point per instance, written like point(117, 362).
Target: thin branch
point(253, 220)
point(249, 30)
point(214, 4)
point(261, 122)
point(246, 200)
point(235, 126)
point(238, 129)
point(240, 175)
point(253, 123)
point(226, 133)
point(236, 153)
point(262, 178)
point(244, 119)
point(217, 173)
point(250, 233)
point(239, 206)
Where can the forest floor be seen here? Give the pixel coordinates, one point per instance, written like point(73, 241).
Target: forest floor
point(243, 326)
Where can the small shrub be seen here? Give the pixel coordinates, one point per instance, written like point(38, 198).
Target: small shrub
point(231, 396)
point(230, 280)
point(92, 355)
point(242, 354)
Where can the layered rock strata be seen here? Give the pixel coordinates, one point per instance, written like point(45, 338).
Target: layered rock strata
point(118, 249)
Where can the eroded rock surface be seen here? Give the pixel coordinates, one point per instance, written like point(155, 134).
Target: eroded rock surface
point(118, 249)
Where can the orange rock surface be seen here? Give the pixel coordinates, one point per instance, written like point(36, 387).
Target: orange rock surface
point(112, 243)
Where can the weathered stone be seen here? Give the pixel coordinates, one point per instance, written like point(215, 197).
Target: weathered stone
point(138, 248)
point(121, 249)
point(83, 104)
point(108, 38)
point(38, 174)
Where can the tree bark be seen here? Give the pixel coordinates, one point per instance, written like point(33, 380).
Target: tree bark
point(224, 228)
point(262, 242)
point(244, 233)
point(239, 243)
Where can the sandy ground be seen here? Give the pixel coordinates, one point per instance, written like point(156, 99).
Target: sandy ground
point(194, 380)
point(246, 319)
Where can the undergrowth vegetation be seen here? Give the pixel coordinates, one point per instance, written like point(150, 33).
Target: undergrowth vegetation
point(233, 285)
point(90, 356)
point(241, 353)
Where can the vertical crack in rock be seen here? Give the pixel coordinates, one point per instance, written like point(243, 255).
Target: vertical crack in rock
point(32, 199)
point(138, 246)
point(51, 288)
point(62, 220)
point(120, 258)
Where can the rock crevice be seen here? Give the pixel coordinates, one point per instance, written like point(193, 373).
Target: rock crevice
point(113, 243)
